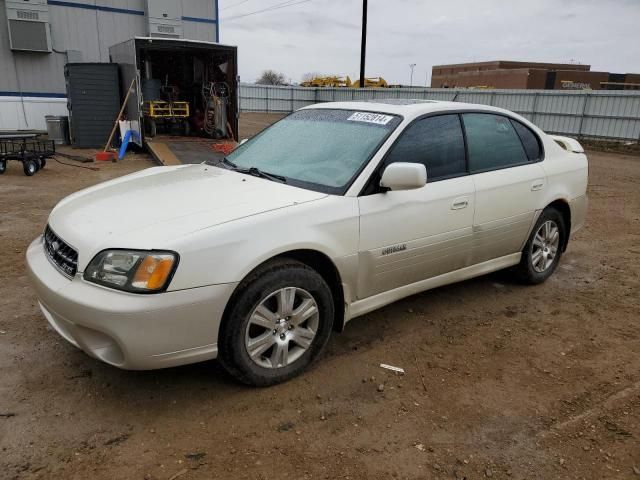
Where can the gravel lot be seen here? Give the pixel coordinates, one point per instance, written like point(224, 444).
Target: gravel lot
point(502, 381)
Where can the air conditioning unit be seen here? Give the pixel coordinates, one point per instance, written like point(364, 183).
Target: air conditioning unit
point(164, 18)
point(28, 22)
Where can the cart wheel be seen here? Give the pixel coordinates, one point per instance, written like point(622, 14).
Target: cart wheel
point(153, 128)
point(3, 166)
point(38, 163)
point(43, 162)
point(187, 128)
point(30, 167)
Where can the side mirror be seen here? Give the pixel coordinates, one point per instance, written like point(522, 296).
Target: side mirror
point(243, 141)
point(404, 176)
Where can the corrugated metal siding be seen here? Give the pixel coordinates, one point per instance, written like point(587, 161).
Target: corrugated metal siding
point(24, 113)
point(605, 114)
point(91, 32)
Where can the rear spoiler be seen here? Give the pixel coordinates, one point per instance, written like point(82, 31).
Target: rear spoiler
point(570, 144)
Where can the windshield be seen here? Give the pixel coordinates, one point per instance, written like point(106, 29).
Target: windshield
point(319, 149)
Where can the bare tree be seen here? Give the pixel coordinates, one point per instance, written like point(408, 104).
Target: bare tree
point(271, 77)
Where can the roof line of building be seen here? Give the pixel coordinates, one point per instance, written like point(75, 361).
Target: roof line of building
point(515, 62)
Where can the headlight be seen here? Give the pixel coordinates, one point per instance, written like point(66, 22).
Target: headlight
point(132, 270)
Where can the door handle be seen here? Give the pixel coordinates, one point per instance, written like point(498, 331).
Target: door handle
point(459, 203)
point(537, 185)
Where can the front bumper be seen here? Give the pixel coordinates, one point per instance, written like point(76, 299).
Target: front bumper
point(131, 331)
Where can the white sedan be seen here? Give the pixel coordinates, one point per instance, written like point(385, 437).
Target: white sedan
point(335, 211)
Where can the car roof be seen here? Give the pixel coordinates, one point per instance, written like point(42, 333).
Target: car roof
point(408, 108)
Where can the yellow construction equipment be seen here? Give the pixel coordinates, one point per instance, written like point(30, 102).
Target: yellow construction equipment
point(344, 82)
point(332, 81)
point(371, 82)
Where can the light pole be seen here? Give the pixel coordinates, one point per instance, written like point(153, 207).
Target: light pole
point(363, 44)
point(412, 66)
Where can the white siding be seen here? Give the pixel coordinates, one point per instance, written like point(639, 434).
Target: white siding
point(27, 113)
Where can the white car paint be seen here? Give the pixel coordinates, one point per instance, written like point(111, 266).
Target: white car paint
point(224, 224)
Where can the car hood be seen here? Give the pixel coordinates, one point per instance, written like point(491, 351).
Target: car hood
point(150, 208)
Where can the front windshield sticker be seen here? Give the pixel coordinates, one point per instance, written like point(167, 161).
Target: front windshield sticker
point(376, 118)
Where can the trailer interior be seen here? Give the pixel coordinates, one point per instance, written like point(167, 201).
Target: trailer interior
point(187, 97)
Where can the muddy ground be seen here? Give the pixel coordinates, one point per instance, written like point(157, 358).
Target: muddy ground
point(502, 381)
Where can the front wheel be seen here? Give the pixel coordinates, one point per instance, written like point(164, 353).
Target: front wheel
point(277, 324)
point(3, 166)
point(543, 250)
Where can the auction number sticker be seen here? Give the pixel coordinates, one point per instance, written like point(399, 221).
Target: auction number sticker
point(368, 117)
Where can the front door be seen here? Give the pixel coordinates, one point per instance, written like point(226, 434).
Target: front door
point(408, 236)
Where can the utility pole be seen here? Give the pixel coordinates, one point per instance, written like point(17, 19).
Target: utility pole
point(412, 66)
point(363, 45)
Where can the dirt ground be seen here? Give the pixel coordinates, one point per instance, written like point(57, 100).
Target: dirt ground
point(502, 381)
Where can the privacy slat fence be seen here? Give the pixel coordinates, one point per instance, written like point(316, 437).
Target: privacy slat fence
point(595, 114)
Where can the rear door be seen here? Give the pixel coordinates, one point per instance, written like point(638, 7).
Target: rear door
point(412, 235)
point(509, 184)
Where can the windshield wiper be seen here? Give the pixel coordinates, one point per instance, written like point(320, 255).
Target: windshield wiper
point(255, 171)
point(229, 163)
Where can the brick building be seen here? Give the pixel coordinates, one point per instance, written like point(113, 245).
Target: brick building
point(530, 75)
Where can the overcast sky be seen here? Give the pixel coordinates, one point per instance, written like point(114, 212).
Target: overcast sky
point(324, 35)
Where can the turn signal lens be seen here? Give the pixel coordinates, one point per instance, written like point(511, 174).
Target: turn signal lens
point(153, 272)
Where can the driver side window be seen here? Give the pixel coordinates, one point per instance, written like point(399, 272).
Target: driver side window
point(436, 142)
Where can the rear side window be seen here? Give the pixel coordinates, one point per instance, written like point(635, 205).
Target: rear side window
point(529, 141)
point(492, 142)
point(437, 142)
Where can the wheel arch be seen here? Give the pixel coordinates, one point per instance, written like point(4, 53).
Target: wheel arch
point(316, 260)
point(562, 206)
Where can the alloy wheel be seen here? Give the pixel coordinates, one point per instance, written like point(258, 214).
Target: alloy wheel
point(282, 327)
point(544, 247)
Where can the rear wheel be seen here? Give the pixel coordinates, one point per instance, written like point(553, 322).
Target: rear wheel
point(3, 166)
point(43, 162)
point(30, 167)
point(277, 324)
point(543, 250)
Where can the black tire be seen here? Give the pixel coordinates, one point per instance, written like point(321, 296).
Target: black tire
point(232, 351)
point(3, 166)
point(43, 163)
point(30, 167)
point(152, 127)
point(528, 272)
point(38, 163)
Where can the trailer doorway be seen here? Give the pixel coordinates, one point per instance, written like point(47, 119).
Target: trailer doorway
point(186, 91)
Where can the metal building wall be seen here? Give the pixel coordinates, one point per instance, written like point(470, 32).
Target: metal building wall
point(603, 114)
point(32, 85)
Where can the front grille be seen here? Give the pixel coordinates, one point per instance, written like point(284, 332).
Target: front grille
point(63, 256)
